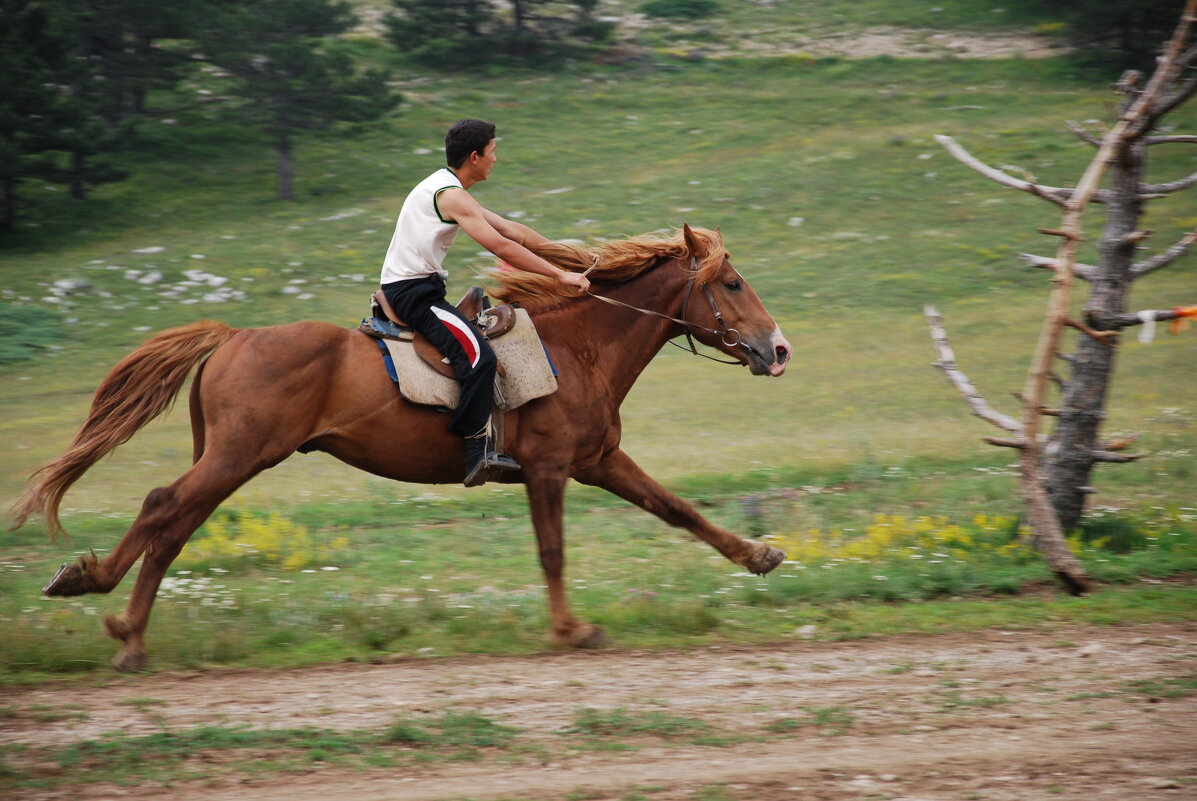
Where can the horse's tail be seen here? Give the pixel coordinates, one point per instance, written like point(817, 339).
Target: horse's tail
point(137, 390)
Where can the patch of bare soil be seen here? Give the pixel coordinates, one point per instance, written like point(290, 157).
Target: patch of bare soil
point(915, 43)
point(910, 43)
point(1074, 713)
point(816, 42)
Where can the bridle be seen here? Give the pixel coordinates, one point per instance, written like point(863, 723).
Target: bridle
point(723, 334)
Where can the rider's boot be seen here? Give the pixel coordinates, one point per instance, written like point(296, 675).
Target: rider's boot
point(483, 463)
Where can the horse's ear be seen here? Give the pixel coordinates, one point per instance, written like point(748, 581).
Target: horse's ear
point(693, 245)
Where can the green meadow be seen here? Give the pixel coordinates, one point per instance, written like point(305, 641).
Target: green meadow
point(836, 204)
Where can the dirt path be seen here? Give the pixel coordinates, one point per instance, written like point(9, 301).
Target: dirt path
point(1069, 714)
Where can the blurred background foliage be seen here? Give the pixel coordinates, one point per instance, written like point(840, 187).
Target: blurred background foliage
point(80, 79)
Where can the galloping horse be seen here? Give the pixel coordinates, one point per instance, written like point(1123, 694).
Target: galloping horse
point(265, 393)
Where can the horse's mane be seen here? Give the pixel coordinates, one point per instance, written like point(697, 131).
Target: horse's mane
point(616, 261)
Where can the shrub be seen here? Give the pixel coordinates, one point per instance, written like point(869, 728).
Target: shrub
point(932, 540)
point(680, 9)
point(900, 558)
point(25, 330)
point(233, 537)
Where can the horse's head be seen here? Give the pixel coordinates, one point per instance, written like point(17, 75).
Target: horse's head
point(726, 313)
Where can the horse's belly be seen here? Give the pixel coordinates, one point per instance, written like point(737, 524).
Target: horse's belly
point(398, 441)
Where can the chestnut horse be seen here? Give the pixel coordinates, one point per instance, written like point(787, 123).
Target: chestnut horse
point(265, 393)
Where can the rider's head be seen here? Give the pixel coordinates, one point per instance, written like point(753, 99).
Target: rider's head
point(465, 137)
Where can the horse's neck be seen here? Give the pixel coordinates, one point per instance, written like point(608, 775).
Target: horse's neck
point(623, 341)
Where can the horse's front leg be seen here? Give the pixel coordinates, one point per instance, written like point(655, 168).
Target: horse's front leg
point(546, 494)
point(618, 474)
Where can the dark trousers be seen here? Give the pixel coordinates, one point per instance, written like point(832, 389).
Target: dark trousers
point(420, 302)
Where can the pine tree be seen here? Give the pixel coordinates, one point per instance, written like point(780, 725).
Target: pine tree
point(467, 34)
point(454, 34)
point(28, 55)
point(1118, 33)
point(288, 74)
point(112, 57)
point(76, 78)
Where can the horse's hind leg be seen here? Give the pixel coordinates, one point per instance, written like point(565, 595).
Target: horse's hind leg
point(173, 513)
point(617, 473)
point(198, 425)
point(167, 519)
point(95, 574)
point(91, 574)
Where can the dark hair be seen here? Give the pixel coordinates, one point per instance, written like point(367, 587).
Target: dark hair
point(465, 137)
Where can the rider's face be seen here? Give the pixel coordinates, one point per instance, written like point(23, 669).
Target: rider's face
point(487, 159)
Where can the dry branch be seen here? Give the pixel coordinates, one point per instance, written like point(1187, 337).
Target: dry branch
point(1120, 444)
point(1149, 107)
point(1055, 194)
point(1137, 119)
point(1116, 458)
point(1083, 133)
point(1135, 237)
point(1147, 316)
point(1144, 106)
point(947, 362)
point(1073, 235)
point(1179, 96)
point(1163, 190)
point(1167, 257)
point(1086, 272)
point(1104, 337)
point(1163, 140)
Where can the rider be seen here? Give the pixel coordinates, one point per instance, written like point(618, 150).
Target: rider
point(414, 280)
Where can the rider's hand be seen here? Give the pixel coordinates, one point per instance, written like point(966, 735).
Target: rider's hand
point(576, 283)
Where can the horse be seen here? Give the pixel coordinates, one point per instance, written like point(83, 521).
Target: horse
point(261, 394)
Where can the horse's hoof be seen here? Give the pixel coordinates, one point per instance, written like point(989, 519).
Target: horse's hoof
point(584, 635)
point(588, 636)
point(130, 661)
point(76, 579)
point(764, 560)
point(67, 582)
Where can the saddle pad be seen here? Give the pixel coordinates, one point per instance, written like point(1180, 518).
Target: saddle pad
point(529, 372)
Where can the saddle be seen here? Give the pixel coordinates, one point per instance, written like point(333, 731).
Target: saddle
point(490, 322)
point(424, 376)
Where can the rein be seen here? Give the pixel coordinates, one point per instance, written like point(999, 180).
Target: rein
point(723, 335)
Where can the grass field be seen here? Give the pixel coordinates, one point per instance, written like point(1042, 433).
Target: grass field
point(836, 204)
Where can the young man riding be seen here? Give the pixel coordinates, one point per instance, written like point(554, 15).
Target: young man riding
point(414, 280)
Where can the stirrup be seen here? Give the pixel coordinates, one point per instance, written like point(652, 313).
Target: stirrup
point(489, 467)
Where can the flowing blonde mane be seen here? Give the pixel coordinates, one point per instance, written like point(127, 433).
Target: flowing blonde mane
point(613, 262)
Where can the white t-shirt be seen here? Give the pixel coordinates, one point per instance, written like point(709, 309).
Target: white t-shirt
point(422, 236)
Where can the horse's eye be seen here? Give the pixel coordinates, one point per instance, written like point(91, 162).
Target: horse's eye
point(734, 286)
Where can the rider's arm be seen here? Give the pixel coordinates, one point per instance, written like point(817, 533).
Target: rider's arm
point(517, 232)
point(462, 208)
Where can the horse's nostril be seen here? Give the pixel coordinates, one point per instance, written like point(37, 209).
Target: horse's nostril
point(783, 354)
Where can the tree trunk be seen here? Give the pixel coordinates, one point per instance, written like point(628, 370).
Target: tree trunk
point(1082, 408)
point(78, 168)
point(1045, 527)
point(8, 217)
point(145, 49)
point(285, 166)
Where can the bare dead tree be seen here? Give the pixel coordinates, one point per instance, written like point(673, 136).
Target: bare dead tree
point(1055, 471)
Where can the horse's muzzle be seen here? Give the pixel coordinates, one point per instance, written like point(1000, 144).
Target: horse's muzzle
point(768, 358)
